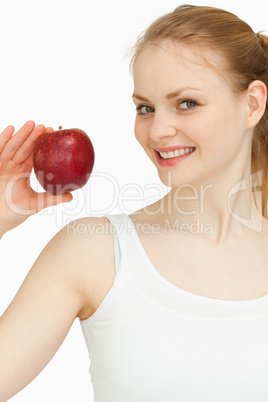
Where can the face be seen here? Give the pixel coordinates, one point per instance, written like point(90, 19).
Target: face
point(189, 122)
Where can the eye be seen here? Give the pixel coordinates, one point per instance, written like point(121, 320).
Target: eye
point(188, 104)
point(144, 109)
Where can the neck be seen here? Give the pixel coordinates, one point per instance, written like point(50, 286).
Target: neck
point(219, 211)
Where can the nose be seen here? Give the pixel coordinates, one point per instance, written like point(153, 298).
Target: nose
point(161, 127)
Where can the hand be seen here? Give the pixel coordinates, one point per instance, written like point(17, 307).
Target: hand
point(18, 201)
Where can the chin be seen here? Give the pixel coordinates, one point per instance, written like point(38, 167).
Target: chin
point(170, 179)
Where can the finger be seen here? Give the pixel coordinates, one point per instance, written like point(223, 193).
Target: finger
point(25, 153)
point(46, 200)
point(5, 136)
point(17, 140)
point(29, 158)
point(49, 130)
point(27, 146)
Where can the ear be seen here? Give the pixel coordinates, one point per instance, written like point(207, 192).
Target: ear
point(257, 97)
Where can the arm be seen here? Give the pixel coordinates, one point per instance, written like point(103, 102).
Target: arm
point(53, 294)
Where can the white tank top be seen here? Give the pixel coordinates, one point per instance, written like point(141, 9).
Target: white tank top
point(150, 341)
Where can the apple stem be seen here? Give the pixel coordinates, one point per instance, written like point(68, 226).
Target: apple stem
point(60, 127)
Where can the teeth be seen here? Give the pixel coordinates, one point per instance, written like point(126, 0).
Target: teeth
point(177, 152)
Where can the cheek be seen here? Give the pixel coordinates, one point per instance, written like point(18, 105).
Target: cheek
point(213, 130)
point(221, 136)
point(140, 132)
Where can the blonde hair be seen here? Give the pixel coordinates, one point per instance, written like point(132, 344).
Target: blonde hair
point(245, 52)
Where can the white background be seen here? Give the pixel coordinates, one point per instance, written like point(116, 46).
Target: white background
point(62, 63)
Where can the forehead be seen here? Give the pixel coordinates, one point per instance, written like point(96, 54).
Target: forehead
point(163, 67)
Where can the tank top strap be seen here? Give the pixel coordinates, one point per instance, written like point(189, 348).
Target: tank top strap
point(120, 222)
point(122, 226)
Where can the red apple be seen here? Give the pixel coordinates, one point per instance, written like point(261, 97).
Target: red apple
point(63, 160)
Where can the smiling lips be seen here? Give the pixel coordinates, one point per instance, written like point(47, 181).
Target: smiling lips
point(171, 155)
point(177, 152)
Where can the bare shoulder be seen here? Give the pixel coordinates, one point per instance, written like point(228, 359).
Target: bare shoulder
point(92, 232)
point(85, 254)
point(81, 239)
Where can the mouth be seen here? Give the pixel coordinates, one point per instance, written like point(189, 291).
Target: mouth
point(172, 157)
point(176, 153)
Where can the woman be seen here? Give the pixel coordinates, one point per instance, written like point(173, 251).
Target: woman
point(173, 299)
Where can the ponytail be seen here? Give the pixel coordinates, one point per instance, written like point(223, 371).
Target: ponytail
point(259, 153)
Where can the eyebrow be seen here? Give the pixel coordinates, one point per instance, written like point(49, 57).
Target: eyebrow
point(169, 96)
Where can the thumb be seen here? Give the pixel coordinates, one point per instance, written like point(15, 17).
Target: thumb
point(48, 200)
